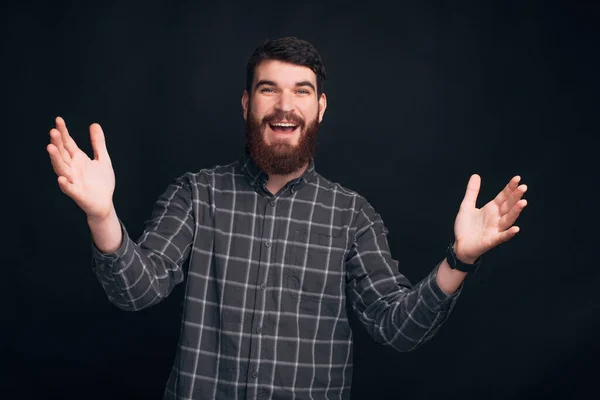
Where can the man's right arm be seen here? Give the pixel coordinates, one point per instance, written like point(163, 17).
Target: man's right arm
point(136, 275)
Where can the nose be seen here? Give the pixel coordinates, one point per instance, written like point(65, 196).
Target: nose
point(286, 101)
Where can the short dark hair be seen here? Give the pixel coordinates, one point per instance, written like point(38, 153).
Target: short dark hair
point(288, 49)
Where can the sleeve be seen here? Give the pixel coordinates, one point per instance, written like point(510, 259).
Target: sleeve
point(140, 274)
point(394, 312)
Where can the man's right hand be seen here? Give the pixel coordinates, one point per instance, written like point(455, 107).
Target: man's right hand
point(90, 183)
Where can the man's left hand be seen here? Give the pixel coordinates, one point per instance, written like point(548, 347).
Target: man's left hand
point(477, 230)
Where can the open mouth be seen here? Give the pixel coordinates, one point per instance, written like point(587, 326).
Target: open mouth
point(283, 127)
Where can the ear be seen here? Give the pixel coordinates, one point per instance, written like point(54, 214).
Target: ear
point(245, 99)
point(322, 106)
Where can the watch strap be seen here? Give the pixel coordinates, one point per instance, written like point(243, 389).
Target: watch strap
point(457, 264)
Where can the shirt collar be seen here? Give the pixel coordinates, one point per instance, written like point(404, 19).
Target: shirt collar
point(257, 178)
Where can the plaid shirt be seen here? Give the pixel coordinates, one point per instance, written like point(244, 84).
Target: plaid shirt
point(268, 277)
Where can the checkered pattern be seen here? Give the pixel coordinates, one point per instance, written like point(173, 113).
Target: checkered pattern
point(268, 278)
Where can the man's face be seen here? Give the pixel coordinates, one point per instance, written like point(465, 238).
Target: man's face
point(282, 115)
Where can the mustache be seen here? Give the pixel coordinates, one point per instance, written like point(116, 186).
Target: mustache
point(281, 116)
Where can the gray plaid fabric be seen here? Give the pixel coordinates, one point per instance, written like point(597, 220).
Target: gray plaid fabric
point(268, 278)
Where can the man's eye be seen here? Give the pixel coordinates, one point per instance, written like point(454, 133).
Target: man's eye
point(303, 91)
point(266, 90)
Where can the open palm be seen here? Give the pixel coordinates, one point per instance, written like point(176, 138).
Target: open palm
point(89, 182)
point(478, 230)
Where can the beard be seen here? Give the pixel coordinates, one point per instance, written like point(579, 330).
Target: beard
point(280, 158)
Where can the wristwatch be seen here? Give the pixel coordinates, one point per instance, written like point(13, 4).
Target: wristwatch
point(455, 263)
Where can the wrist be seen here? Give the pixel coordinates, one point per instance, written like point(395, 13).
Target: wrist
point(99, 220)
point(463, 257)
point(461, 262)
point(448, 279)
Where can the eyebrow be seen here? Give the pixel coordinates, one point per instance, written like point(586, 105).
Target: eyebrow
point(271, 83)
point(306, 83)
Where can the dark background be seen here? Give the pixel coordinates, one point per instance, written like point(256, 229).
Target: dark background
point(420, 96)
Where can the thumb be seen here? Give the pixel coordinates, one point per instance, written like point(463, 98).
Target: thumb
point(65, 186)
point(98, 142)
point(472, 192)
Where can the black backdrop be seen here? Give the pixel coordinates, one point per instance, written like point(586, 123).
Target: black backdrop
point(420, 96)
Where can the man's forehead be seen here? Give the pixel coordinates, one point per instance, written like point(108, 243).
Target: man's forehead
point(283, 73)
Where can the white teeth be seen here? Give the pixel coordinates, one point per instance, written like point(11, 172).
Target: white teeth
point(283, 124)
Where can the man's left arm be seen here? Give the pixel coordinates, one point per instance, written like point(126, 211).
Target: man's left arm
point(393, 311)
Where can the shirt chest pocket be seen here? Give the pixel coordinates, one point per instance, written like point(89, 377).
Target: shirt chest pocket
point(315, 267)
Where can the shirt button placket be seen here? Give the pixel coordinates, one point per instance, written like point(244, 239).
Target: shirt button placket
point(265, 256)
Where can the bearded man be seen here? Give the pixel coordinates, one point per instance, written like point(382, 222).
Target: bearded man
point(271, 250)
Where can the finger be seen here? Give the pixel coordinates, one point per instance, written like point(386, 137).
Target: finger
point(507, 234)
point(67, 140)
point(470, 199)
point(98, 142)
point(512, 215)
point(512, 199)
point(58, 164)
point(508, 189)
point(56, 140)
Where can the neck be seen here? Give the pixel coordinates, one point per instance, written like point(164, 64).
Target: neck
point(276, 182)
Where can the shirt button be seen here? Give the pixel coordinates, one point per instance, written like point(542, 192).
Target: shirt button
point(254, 374)
point(259, 329)
point(268, 243)
point(263, 286)
point(272, 203)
